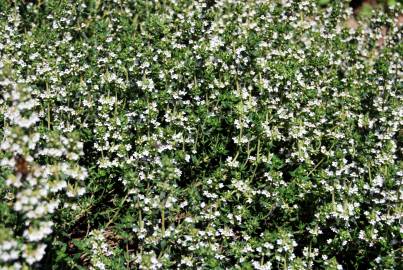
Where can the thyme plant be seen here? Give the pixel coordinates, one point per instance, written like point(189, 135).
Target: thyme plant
point(200, 135)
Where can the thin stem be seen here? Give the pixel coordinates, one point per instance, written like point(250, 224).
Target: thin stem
point(163, 220)
point(117, 211)
point(49, 108)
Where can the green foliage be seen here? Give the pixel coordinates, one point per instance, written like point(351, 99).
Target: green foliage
point(207, 134)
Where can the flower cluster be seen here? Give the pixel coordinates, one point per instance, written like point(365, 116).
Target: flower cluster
point(211, 134)
point(32, 183)
point(100, 250)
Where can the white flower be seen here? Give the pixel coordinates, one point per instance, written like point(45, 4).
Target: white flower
point(216, 42)
point(99, 265)
point(378, 181)
point(34, 254)
point(232, 163)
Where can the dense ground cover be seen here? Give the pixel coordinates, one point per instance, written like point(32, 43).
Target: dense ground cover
point(179, 134)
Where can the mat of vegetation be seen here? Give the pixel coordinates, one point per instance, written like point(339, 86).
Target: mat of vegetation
point(182, 134)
